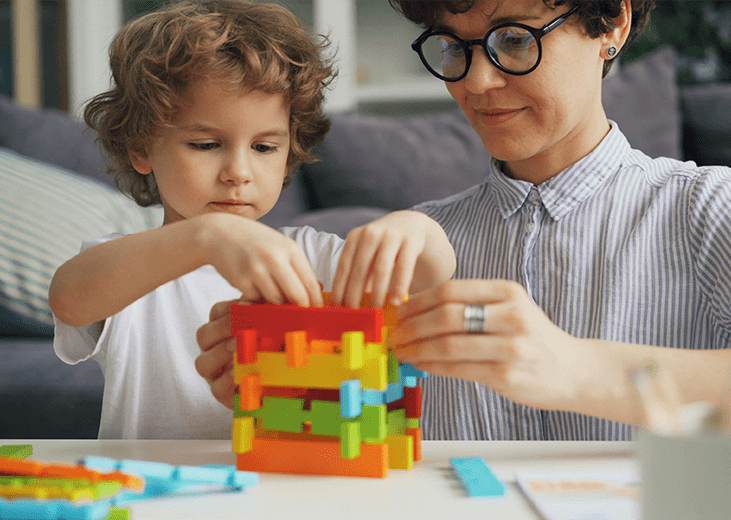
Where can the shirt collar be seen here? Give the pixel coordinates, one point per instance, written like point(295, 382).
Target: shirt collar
point(563, 193)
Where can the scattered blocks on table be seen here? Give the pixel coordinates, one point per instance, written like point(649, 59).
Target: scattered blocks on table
point(477, 478)
point(17, 451)
point(321, 392)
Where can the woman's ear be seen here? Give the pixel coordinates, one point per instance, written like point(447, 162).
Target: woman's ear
point(140, 162)
point(617, 36)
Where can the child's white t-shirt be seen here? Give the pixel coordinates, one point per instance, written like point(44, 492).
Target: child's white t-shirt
point(147, 351)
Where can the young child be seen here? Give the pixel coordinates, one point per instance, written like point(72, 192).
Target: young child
point(214, 105)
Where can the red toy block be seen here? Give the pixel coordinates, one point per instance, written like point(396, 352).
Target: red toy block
point(412, 402)
point(246, 346)
point(271, 322)
point(313, 457)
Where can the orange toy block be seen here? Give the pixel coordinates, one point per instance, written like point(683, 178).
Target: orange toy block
point(31, 468)
point(415, 433)
point(295, 345)
point(246, 345)
point(250, 392)
point(313, 457)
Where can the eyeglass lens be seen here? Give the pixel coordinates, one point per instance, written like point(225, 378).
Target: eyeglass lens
point(513, 47)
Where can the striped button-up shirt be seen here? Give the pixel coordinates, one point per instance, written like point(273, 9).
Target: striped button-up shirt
point(618, 246)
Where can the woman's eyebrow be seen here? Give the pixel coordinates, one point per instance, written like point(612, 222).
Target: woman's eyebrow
point(493, 23)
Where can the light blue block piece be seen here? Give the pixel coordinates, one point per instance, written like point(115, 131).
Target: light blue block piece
point(477, 478)
point(409, 374)
point(351, 399)
point(161, 479)
point(372, 397)
point(394, 392)
point(22, 509)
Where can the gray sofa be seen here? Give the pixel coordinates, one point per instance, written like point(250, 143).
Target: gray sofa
point(370, 165)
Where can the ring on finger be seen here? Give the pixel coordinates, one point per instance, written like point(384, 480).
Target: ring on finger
point(474, 318)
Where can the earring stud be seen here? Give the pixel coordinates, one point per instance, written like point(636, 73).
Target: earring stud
point(611, 51)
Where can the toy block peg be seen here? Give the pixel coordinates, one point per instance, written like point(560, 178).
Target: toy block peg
point(477, 478)
point(412, 401)
point(351, 400)
point(415, 433)
point(353, 344)
point(350, 440)
point(250, 392)
point(243, 434)
point(400, 451)
point(295, 344)
point(246, 342)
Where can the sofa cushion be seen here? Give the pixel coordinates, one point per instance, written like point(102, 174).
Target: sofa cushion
point(45, 214)
point(395, 163)
point(707, 124)
point(643, 99)
point(51, 136)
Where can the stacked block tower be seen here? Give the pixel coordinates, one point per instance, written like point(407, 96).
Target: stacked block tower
point(319, 392)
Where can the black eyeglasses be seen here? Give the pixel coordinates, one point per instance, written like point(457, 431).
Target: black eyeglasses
point(514, 48)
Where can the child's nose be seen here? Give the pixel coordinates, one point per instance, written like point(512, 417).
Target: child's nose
point(237, 170)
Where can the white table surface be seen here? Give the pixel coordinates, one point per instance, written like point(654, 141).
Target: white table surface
point(429, 490)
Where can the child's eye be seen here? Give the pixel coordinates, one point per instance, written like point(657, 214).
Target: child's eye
point(265, 148)
point(204, 146)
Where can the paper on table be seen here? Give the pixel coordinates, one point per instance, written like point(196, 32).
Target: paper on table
point(600, 495)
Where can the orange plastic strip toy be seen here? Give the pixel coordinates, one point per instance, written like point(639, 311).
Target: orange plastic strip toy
point(31, 468)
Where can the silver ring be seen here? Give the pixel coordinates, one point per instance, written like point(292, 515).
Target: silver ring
point(474, 318)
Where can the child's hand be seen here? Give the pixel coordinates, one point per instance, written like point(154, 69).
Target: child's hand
point(215, 363)
point(260, 261)
point(392, 256)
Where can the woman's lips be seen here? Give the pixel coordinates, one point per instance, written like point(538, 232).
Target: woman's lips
point(497, 116)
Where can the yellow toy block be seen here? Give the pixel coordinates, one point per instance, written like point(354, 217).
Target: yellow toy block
point(353, 347)
point(400, 451)
point(321, 370)
point(243, 434)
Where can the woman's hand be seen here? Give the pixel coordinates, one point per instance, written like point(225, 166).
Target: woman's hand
point(521, 355)
point(215, 363)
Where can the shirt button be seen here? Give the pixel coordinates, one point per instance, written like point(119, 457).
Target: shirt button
point(529, 227)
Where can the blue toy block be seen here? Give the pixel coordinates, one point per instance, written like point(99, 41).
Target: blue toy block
point(163, 478)
point(409, 374)
point(477, 478)
point(351, 400)
point(22, 509)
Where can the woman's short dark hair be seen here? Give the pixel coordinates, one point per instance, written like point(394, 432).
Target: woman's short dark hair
point(597, 16)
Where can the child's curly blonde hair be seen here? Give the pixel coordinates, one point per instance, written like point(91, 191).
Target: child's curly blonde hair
point(251, 45)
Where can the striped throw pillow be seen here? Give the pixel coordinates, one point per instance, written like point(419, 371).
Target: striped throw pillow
point(45, 214)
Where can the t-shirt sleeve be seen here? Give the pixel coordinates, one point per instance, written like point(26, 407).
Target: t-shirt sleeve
point(75, 344)
point(321, 249)
point(710, 238)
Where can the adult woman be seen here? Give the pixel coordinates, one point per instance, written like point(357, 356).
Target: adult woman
point(579, 257)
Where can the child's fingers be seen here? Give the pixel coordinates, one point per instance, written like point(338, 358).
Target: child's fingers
point(313, 290)
point(340, 282)
point(381, 273)
point(367, 248)
point(403, 273)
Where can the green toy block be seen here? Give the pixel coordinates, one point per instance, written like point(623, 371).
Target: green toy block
point(373, 423)
point(17, 451)
point(393, 372)
point(413, 423)
point(350, 439)
point(325, 418)
point(118, 513)
point(284, 414)
point(397, 422)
